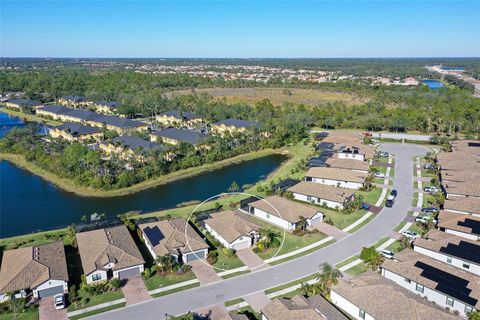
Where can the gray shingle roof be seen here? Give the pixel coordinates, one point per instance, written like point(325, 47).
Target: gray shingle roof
point(182, 135)
point(25, 102)
point(74, 98)
point(77, 128)
point(119, 121)
point(134, 143)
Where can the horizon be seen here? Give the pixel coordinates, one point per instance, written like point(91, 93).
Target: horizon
point(240, 29)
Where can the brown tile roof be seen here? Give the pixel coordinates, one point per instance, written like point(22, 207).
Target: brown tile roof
point(336, 174)
point(296, 308)
point(173, 239)
point(231, 225)
point(29, 267)
point(456, 221)
point(385, 300)
point(350, 164)
point(466, 204)
point(438, 241)
point(99, 247)
point(325, 308)
point(288, 210)
point(462, 188)
point(322, 191)
point(409, 264)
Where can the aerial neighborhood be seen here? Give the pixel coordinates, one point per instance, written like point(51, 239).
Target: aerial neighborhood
point(429, 268)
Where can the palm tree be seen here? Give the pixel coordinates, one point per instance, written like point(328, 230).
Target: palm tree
point(269, 236)
point(327, 278)
point(166, 262)
point(310, 290)
point(302, 223)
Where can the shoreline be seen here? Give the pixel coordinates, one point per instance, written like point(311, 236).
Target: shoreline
point(66, 184)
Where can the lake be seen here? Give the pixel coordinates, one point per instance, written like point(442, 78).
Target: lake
point(8, 122)
point(28, 203)
point(433, 84)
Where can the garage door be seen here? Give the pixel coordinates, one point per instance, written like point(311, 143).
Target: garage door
point(50, 291)
point(242, 245)
point(199, 255)
point(130, 273)
point(315, 221)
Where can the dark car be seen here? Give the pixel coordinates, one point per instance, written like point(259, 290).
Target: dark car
point(393, 193)
point(365, 206)
point(429, 210)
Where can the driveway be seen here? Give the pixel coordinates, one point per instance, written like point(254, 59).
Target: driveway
point(257, 300)
point(204, 272)
point(330, 230)
point(250, 259)
point(135, 291)
point(46, 310)
point(259, 280)
point(215, 312)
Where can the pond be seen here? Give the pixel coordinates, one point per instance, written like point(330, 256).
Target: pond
point(28, 203)
point(8, 122)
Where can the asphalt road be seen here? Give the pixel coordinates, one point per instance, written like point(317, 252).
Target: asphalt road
point(203, 296)
point(392, 135)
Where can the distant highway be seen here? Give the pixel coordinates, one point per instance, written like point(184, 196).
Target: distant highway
point(219, 292)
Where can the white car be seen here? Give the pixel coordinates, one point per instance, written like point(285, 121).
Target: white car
point(431, 189)
point(425, 220)
point(383, 154)
point(379, 175)
point(410, 234)
point(387, 253)
point(59, 301)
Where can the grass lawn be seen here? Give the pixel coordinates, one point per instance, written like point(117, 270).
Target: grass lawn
point(370, 197)
point(395, 247)
point(224, 262)
point(415, 199)
point(291, 294)
point(347, 261)
point(29, 315)
point(302, 253)
point(357, 269)
point(165, 293)
point(91, 313)
point(231, 275)
point(290, 284)
point(95, 299)
point(34, 239)
point(400, 226)
point(157, 281)
point(362, 224)
point(415, 228)
point(380, 242)
point(234, 301)
point(342, 220)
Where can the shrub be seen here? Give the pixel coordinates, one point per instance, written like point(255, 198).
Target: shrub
point(275, 243)
point(147, 273)
point(260, 246)
point(115, 283)
point(212, 257)
point(228, 252)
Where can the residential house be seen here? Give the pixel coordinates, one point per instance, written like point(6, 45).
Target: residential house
point(284, 213)
point(459, 252)
point(464, 205)
point(316, 193)
point(231, 126)
point(301, 308)
point(41, 270)
point(350, 164)
point(439, 282)
point(109, 253)
point(106, 107)
point(127, 147)
point(233, 229)
point(22, 104)
point(370, 296)
point(175, 136)
point(355, 152)
point(76, 132)
point(173, 237)
point(462, 225)
point(73, 101)
point(179, 118)
point(118, 124)
point(342, 178)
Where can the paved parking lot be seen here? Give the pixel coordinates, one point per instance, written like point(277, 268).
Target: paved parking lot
point(46, 310)
point(135, 291)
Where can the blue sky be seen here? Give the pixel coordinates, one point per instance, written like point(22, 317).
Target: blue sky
point(239, 29)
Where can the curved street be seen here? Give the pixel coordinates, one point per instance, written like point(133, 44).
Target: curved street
point(206, 295)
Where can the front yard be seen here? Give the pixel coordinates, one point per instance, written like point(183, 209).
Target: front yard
point(87, 300)
point(28, 315)
point(156, 281)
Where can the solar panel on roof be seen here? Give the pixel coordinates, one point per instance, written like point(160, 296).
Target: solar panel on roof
point(463, 250)
point(472, 224)
point(447, 283)
point(154, 235)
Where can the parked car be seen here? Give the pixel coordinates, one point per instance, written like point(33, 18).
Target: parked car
point(367, 134)
point(59, 301)
point(379, 175)
point(390, 201)
point(393, 193)
point(431, 189)
point(383, 154)
point(425, 220)
point(365, 206)
point(429, 210)
point(428, 166)
point(387, 253)
point(410, 234)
